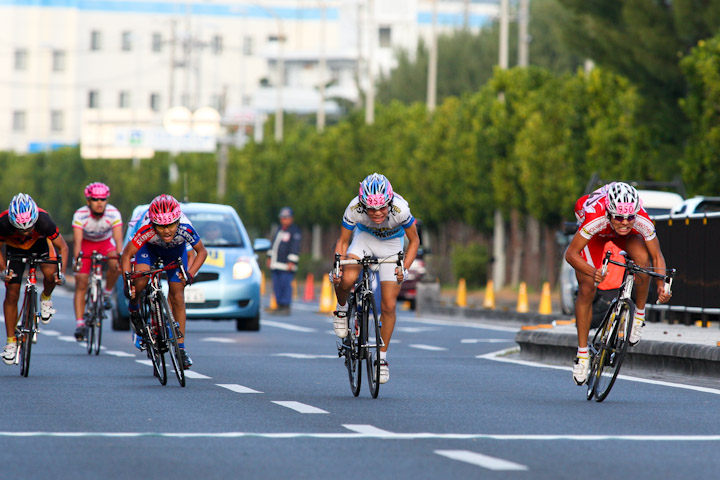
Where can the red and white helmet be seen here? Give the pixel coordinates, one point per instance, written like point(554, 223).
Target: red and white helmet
point(623, 199)
point(97, 190)
point(164, 210)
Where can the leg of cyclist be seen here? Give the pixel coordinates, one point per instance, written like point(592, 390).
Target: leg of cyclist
point(342, 291)
point(10, 309)
point(638, 252)
point(389, 293)
point(176, 296)
point(81, 286)
point(46, 306)
point(111, 276)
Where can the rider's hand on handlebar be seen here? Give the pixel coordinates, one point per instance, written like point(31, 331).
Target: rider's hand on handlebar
point(59, 279)
point(598, 276)
point(333, 279)
point(664, 294)
point(401, 274)
point(128, 290)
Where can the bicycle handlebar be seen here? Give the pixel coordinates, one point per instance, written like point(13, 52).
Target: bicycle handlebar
point(635, 268)
point(367, 261)
point(33, 259)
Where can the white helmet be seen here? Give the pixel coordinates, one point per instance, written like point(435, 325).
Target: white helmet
point(623, 199)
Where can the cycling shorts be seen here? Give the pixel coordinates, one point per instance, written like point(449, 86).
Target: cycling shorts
point(105, 247)
point(18, 267)
point(149, 254)
point(364, 243)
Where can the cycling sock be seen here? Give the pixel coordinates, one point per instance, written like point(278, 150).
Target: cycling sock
point(11, 339)
point(107, 292)
point(383, 355)
point(80, 322)
point(181, 345)
point(640, 314)
point(133, 308)
point(582, 352)
point(342, 308)
point(43, 297)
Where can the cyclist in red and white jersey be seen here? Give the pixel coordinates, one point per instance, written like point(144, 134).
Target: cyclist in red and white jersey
point(612, 213)
point(382, 218)
point(97, 227)
point(25, 228)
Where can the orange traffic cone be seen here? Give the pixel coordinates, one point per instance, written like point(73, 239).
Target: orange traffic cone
point(489, 301)
point(309, 288)
point(522, 303)
point(262, 283)
point(273, 302)
point(294, 289)
point(461, 299)
point(545, 300)
point(327, 296)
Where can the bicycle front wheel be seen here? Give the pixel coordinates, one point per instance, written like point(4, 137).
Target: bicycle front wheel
point(595, 347)
point(29, 322)
point(373, 340)
point(153, 344)
point(613, 347)
point(172, 331)
point(351, 349)
point(98, 320)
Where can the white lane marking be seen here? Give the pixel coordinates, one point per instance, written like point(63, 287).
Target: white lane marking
point(67, 338)
point(145, 362)
point(50, 333)
point(368, 430)
point(500, 356)
point(414, 329)
point(237, 388)
point(390, 436)
point(487, 340)
point(194, 374)
point(481, 460)
point(427, 347)
point(299, 407)
point(479, 325)
point(294, 328)
point(218, 340)
point(303, 355)
point(117, 353)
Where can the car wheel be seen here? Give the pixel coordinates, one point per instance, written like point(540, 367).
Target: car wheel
point(119, 322)
point(248, 324)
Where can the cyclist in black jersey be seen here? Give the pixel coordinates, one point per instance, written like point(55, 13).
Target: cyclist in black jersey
point(25, 228)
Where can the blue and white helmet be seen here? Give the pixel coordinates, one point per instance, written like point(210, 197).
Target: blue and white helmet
point(23, 211)
point(375, 191)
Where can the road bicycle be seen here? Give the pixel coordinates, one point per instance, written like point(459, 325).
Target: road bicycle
point(161, 331)
point(609, 344)
point(29, 314)
point(94, 301)
point(363, 341)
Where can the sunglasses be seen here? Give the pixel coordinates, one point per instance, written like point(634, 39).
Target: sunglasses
point(95, 199)
point(166, 227)
point(620, 218)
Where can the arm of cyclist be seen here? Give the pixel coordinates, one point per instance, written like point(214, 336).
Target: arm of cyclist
point(128, 252)
point(341, 247)
point(194, 265)
point(658, 261)
point(62, 247)
point(6, 276)
point(410, 253)
point(117, 238)
point(77, 244)
point(573, 257)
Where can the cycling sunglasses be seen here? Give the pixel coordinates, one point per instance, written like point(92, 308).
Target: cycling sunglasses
point(97, 199)
point(620, 218)
point(165, 227)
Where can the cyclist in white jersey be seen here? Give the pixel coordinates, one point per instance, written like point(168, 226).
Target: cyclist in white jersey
point(96, 227)
point(382, 218)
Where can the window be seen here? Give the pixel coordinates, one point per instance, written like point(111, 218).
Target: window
point(18, 121)
point(247, 47)
point(58, 61)
point(216, 44)
point(157, 42)
point(126, 41)
point(95, 40)
point(155, 102)
point(124, 99)
point(93, 99)
point(21, 59)
point(385, 37)
point(56, 121)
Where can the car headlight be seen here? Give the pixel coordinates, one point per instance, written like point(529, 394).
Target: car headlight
point(242, 269)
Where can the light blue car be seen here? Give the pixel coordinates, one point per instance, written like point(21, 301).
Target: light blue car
point(227, 287)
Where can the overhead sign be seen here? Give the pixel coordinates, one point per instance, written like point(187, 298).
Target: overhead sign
point(160, 139)
point(177, 120)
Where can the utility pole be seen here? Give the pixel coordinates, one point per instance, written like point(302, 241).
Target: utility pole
point(171, 83)
point(432, 63)
point(370, 100)
point(320, 119)
point(523, 37)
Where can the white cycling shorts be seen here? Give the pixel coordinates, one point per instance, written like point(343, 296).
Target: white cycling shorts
point(364, 243)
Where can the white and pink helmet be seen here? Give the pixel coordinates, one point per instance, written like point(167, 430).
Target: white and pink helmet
point(97, 190)
point(375, 191)
point(164, 210)
point(623, 199)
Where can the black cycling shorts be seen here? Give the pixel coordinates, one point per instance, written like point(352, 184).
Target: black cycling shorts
point(18, 268)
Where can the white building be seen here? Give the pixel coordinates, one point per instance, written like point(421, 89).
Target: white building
point(61, 58)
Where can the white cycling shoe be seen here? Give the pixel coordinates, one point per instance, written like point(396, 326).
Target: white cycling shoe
point(636, 333)
point(340, 323)
point(580, 370)
point(9, 352)
point(384, 371)
point(46, 311)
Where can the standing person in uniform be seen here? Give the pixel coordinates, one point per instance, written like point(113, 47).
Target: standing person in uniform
point(283, 259)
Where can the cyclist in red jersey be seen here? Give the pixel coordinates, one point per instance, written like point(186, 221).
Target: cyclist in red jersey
point(612, 213)
point(21, 226)
point(97, 227)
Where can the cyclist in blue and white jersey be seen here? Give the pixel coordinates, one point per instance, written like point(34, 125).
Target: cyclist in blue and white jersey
point(382, 218)
point(164, 232)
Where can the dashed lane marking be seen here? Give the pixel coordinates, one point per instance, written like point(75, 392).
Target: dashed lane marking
point(117, 353)
point(428, 347)
point(303, 355)
point(194, 374)
point(67, 338)
point(487, 340)
point(218, 340)
point(237, 388)
point(287, 326)
point(480, 460)
point(299, 407)
point(414, 329)
point(50, 333)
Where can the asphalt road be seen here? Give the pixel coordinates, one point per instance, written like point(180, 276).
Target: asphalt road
point(277, 404)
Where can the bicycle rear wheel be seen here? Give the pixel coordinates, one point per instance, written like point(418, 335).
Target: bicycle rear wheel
point(373, 340)
point(153, 344)
point(27, 329)
point(613, 348)
point(172, 334)
point(351, 349)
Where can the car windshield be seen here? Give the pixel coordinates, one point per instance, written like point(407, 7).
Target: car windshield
point(216, 229)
